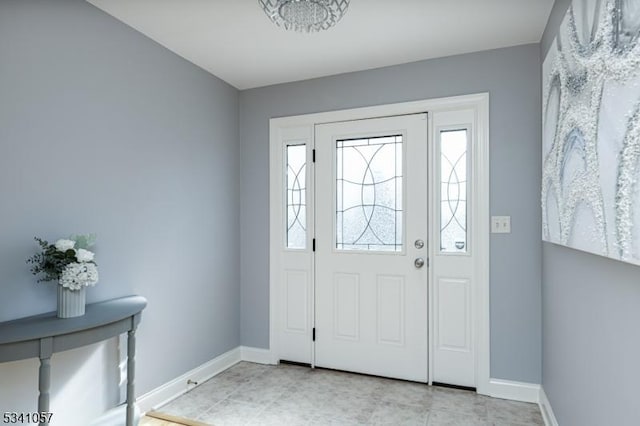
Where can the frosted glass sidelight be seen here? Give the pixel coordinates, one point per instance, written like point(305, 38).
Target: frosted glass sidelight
point(369, 194)
point(453, 191)
point(296, 197)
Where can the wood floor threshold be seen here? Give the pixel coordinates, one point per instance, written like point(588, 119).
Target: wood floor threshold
point(174, 419)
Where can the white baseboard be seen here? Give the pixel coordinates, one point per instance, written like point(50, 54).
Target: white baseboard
point(178, 386)
point(516, 391)
point(257, 355)
point(547, 412)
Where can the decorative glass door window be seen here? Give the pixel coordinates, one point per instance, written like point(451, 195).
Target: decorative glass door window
point(296, 196)
point(369, 213)
point(453, 191)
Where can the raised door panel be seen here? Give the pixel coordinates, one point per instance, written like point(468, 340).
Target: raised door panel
point(296, 297)
point(391, 310)
point(346, 306)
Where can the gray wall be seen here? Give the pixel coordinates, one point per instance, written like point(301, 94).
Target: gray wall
point(590, 316)
point(512, 78)
point(591, 346)
point(102, 130)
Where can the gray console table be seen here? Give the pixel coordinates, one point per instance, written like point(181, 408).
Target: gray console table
point(43, 335)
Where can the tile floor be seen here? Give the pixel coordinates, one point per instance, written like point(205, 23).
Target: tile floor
point(255, 394)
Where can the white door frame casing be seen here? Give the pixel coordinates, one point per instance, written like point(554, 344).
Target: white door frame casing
point(479, 211)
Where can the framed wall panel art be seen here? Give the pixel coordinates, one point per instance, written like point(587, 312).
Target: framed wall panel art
point(591, 130)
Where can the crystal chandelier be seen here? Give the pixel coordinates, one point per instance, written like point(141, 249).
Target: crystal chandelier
point(305, 15)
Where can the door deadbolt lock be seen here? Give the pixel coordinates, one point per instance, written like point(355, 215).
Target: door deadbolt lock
point(419, 244)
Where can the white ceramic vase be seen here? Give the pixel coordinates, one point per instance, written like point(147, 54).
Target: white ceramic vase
point(71, 302)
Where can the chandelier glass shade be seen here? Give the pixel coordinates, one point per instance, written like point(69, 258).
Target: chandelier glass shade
point(305, 15)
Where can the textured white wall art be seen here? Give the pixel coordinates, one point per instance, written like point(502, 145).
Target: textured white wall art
point(591, 130)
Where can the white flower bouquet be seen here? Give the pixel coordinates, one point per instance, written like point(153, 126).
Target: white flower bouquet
point(67, 261)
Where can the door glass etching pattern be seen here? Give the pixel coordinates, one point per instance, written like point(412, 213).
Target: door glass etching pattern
point(453, 191)
point(369, 194)
point(296, 197)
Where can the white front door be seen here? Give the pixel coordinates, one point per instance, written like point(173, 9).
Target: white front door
point(371, 307)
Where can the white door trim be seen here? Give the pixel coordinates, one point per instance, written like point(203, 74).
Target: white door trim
point(480, 205)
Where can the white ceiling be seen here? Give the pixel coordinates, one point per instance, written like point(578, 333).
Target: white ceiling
point(234, 39)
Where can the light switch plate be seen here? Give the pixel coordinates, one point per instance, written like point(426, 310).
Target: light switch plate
point(500, 224)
